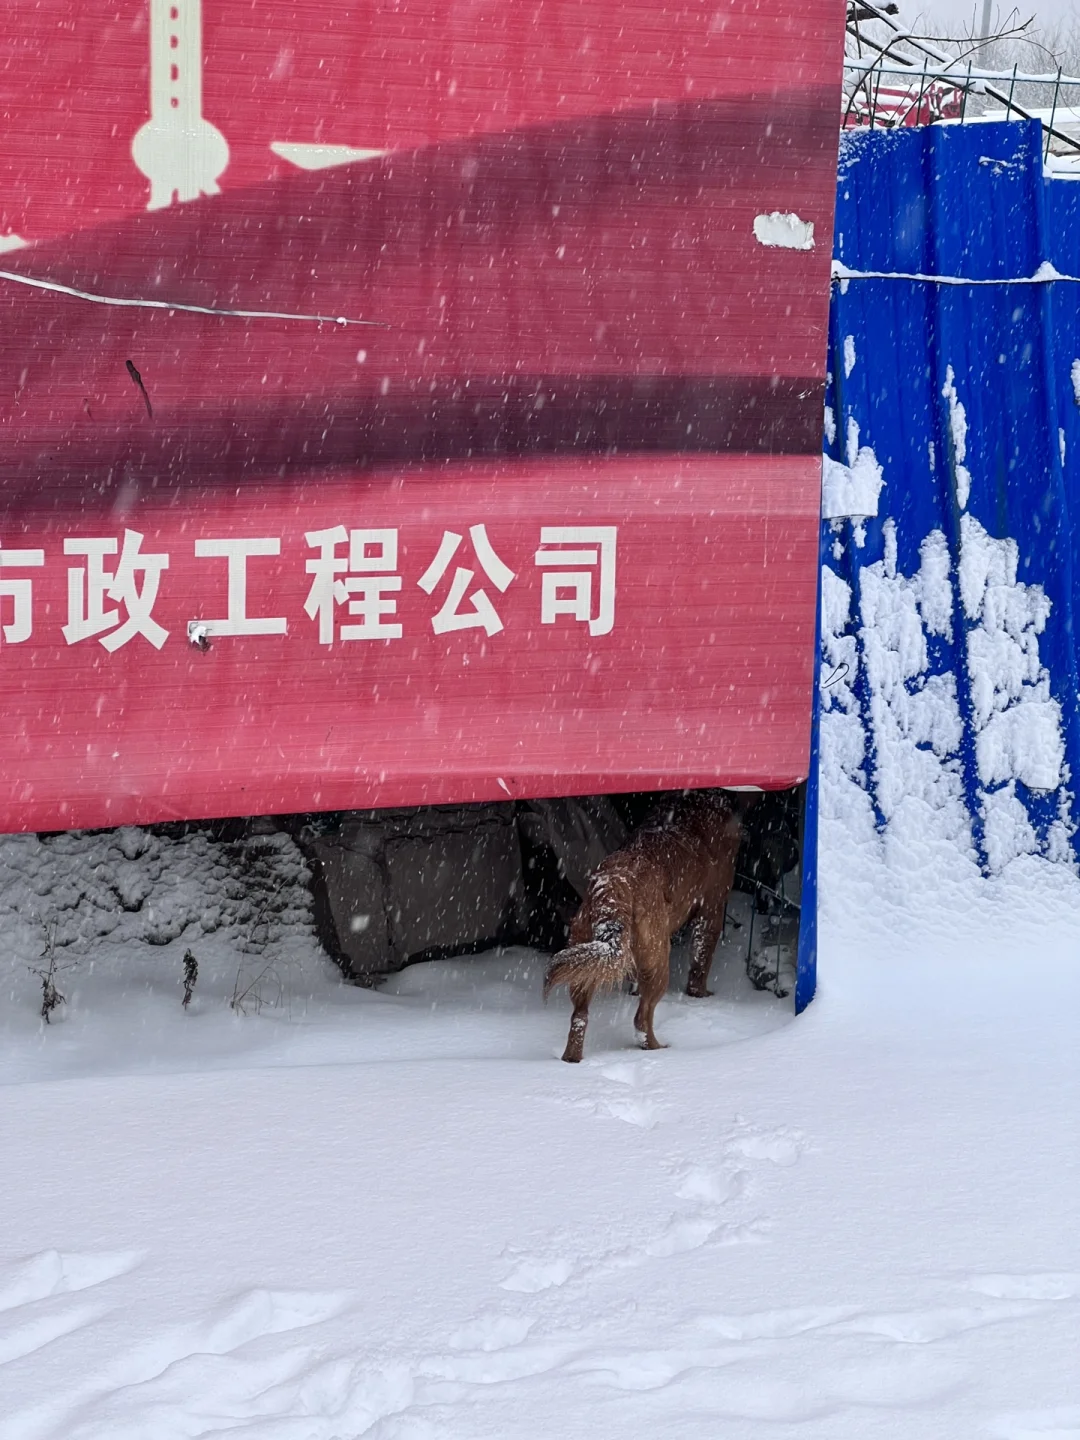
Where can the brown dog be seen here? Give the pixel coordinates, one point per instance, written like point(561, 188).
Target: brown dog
point(678, 866)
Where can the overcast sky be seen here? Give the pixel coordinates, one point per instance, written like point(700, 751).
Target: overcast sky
point(952, 15)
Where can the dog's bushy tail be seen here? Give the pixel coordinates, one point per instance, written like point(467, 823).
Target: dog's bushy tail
point(597, 964)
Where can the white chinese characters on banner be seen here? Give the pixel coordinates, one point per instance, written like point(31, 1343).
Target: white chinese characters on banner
point(359, 581)
point(91, 584)
point(18, 591)
point(238, 551)
point(569, 589)
point(483, 611)
point(353, 591)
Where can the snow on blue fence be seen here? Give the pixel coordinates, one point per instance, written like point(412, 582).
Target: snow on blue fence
point(951, 500)
point(951, 490)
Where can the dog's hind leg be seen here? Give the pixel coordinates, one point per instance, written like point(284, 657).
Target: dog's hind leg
point(575, 1042)
point(651, 994)
point(653, 972)
point(707, 929)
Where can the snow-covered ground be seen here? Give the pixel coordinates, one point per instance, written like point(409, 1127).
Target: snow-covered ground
point(327, 1213)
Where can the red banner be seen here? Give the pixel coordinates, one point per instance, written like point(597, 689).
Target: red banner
point(410, 403)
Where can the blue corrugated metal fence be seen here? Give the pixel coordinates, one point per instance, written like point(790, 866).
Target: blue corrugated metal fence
point(951, 547)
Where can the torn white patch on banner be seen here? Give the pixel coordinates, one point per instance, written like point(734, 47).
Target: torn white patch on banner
point(321, 157)
point(784, 230)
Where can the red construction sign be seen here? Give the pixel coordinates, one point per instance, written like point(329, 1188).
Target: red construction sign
point(420, 404)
